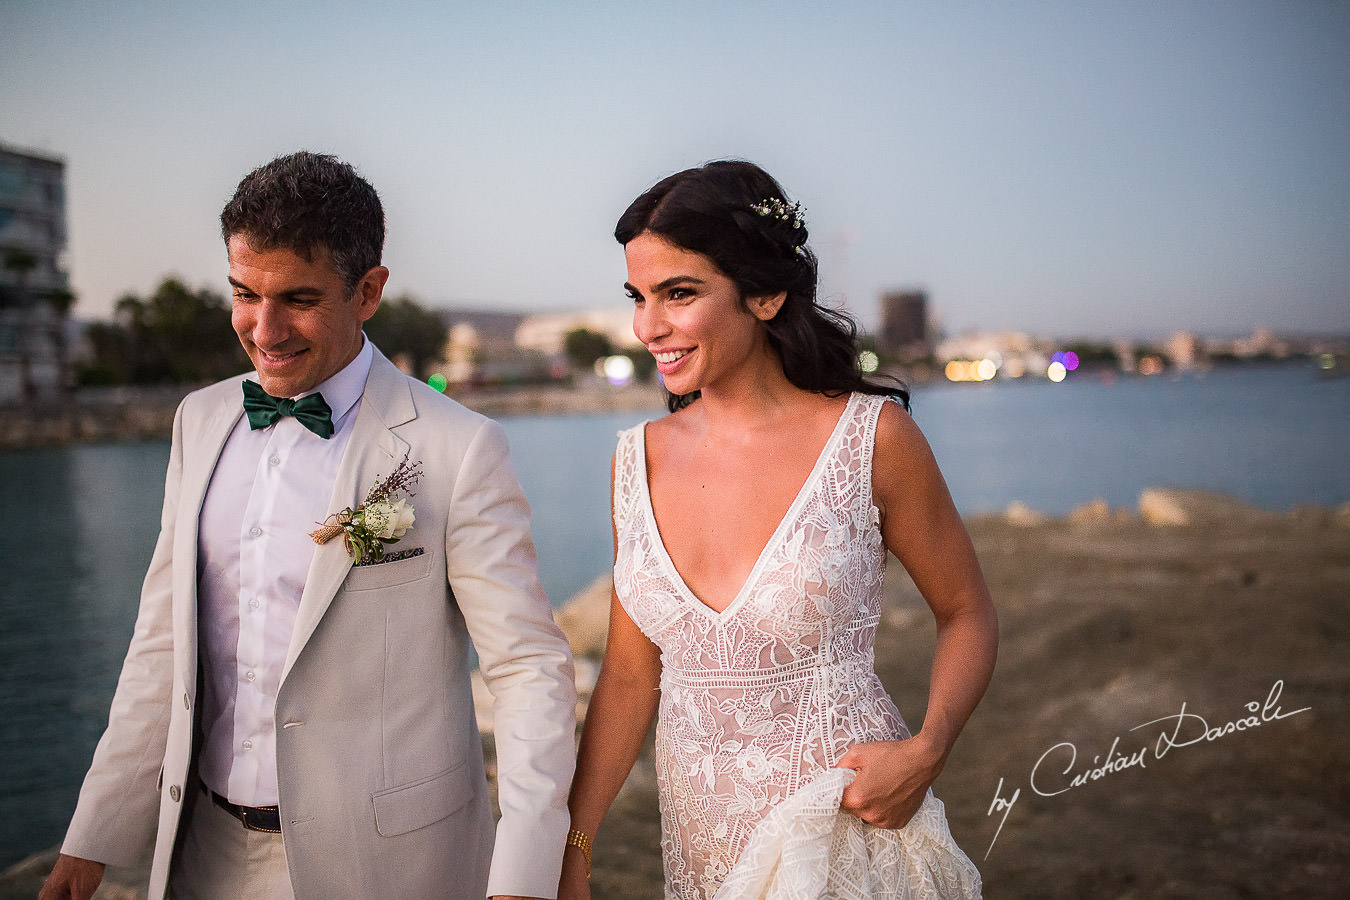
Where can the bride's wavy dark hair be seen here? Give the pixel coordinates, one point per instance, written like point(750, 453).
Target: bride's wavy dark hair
point(709, 210)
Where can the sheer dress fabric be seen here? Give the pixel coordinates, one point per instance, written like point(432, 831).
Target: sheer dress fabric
point(759, 701)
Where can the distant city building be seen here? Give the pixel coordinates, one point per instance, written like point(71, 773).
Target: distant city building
point(488, 329)
point(904, 324)
point(1127, 356)
point(480, 348)
point(1183, 351)
point(1262, 342)
point(546, 332)
point(34, 288)
point(991, 344)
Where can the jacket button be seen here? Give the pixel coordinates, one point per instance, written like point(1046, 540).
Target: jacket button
point(174, 793)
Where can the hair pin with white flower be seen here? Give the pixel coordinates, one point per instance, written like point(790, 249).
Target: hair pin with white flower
point(793, 214)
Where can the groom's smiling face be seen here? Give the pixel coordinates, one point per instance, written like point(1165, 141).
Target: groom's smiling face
point(296, 318)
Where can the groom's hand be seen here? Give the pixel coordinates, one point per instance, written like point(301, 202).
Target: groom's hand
point(72, 878)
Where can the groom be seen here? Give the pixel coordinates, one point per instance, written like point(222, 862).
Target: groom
point(294, 719)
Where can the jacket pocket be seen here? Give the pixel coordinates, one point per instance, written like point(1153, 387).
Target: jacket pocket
point(419, 804)
point(370, 578)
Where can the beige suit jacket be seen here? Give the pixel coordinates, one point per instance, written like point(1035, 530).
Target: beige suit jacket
point(379, 762)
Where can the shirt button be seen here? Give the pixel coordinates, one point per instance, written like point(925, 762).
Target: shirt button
point(249, 675)
point(276, 460)
point(254, 603)
point(248, 745)
point(255, 531)
point(185, 702)
point(174, 793)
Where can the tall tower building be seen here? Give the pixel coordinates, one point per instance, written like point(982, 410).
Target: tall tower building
point(904, 324)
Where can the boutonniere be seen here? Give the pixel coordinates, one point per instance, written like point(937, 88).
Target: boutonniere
point(380, 519)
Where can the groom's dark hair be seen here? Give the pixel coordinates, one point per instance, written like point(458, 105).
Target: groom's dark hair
point(306, 202)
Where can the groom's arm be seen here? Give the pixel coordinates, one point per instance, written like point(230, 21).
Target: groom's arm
point(525, 662)
point(115, 819)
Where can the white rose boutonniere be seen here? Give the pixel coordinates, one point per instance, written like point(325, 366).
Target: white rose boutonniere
point(388, 521)
point(379, 520)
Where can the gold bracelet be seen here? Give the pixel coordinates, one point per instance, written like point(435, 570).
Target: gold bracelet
point(582, 841)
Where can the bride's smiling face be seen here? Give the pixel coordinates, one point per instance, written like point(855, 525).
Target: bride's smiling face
point(690, 315)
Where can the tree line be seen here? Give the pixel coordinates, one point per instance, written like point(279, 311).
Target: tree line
point(178, 335)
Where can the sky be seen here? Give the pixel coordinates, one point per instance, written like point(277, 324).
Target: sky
point(1068, 169)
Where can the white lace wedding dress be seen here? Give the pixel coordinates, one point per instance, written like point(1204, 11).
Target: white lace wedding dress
point(758, 702)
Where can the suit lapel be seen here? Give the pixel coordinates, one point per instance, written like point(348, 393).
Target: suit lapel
point(201, 450)
point(372, 453)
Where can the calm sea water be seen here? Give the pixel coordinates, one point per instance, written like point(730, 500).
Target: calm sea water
point(81, 522)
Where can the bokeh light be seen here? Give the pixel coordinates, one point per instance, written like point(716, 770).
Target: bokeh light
point(1056, 372)
point(969, 370)
point(868, 361)
point(438, 382)
point(618, 370)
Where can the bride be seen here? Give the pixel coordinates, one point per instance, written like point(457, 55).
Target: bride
point(751, 531)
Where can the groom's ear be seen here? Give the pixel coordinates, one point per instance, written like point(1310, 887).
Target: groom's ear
point(369, 291)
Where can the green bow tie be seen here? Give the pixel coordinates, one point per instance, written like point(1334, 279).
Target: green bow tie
point(263, 409)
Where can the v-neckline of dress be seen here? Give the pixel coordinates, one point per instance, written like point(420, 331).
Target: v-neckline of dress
point(649, 511)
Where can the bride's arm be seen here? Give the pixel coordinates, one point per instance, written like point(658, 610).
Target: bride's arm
point(618, 717)
point(921, 526)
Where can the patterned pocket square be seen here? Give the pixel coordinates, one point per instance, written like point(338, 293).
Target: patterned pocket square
point(392, 557)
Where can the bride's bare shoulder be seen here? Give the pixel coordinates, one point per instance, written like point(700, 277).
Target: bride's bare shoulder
point(672, 430)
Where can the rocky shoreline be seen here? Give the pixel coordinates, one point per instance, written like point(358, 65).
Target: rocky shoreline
point(1190, 606)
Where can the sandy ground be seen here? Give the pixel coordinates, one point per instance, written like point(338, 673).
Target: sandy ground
point(1109, 622)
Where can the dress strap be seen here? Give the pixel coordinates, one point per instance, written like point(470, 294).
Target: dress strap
point(870, 413)
point(865, 417)
point(627, 471)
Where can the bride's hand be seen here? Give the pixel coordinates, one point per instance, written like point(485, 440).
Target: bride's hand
point(574, 884)
point(893, 777)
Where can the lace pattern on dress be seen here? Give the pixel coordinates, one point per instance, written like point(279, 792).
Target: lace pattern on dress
point(763, 697)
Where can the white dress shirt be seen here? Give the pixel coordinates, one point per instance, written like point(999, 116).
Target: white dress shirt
point(269, 489)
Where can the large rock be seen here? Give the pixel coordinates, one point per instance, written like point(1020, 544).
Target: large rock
point(1185, 506)
point(585, 618)
point(1018, 513)
point(1092, 512)
point(585, 621)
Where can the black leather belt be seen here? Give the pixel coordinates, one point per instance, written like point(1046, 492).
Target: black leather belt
point(254, 818)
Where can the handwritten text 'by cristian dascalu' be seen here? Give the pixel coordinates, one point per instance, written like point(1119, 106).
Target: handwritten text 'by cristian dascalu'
point(1056, 771)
